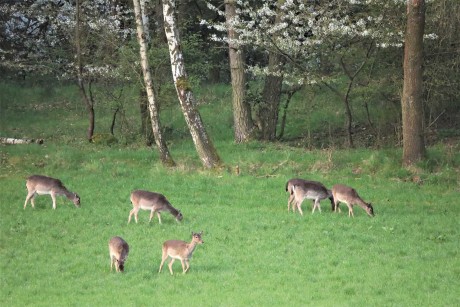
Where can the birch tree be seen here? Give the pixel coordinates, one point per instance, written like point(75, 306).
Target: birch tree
point(203, 144)
point(165, 156)
point(412, 98)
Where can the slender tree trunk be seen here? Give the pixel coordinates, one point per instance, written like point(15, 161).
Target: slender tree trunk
point(412, 100)
point(146, 122)
point(80, 79)
point(203, 143)
point(165, 156)
point(241, 110)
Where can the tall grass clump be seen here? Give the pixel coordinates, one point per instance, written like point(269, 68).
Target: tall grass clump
point(254, 251)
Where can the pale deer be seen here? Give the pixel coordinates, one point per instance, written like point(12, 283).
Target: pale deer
point(119, 250)
point(313, 190)
point(42, 185)
point(308, 185)
point(176, 249)
point(350, 197)
point(154, 202)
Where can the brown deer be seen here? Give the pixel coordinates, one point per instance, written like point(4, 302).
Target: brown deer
point(176, 249)
point(119, 250)
point(42, 185)
point(154, 202)
point(310, 190)
point(350, 197)
point(307, 184)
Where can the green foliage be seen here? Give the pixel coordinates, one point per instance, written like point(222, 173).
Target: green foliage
point(104, 139)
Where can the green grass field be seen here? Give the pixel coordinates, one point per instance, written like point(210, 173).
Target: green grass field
point(255, 252)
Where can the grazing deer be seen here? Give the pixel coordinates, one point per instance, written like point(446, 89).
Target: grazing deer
point(41, 185)
point(119, 251)
point(314, 187)
point(310, 190)
point(154, 202)
point(176, 249)
point(350, 197)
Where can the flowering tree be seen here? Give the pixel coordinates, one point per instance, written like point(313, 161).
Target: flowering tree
point(302, 42)
point(66, 39)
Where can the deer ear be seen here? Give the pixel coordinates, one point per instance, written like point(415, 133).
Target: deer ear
point(201, 232)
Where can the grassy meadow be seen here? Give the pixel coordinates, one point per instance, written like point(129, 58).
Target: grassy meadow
point(255, 253)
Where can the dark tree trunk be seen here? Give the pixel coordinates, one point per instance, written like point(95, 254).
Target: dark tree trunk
point(87, 99)
point(267, 112)
point(146, 122)
point(412, 99)
point(242, 120)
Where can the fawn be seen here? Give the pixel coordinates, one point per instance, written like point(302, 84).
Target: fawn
point(176, 249)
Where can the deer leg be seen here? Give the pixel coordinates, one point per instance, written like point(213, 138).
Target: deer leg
point(350, 210)
point(163, 259)
point(159, 217)
point(187, 266)
point(170, 265)
point(111, 263)
point(133, 211)
point(29, 196)
point(182, 261)
point(314, 206)
point(299, 206)
point(336, 206)
point(53, 197)
point(151, 214)
point(290, 202)
point(32, 200)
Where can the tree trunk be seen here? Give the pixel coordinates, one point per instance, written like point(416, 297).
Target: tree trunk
point(80, 80)
point(146, 122)
point(203, 143)
point(242, 120)
point(165, 156)
point(412, 100)
point(267, 112)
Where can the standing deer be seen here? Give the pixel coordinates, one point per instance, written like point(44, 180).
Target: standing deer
point(176, 249)
point(41, 185)
point(154, 202)
point(314, 187)
point(119, 250)
point(350, 197)
point(310, 190)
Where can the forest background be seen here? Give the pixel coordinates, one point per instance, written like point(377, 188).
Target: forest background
point(322, 96)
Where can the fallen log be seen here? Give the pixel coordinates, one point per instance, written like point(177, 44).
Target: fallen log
point(20, 141)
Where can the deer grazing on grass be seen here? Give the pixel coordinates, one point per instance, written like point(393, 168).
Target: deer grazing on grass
point(307, 189)
point(119, 250)
point(176, 249)
point(350, 197)
point(41, 185)
point(153, 202)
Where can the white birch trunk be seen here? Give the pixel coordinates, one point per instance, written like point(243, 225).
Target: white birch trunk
point(145, 21)
point(152, 104)
point(203, 143)
point(20, 141)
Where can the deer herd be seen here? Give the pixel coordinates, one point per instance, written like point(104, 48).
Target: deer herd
point(298, 189)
